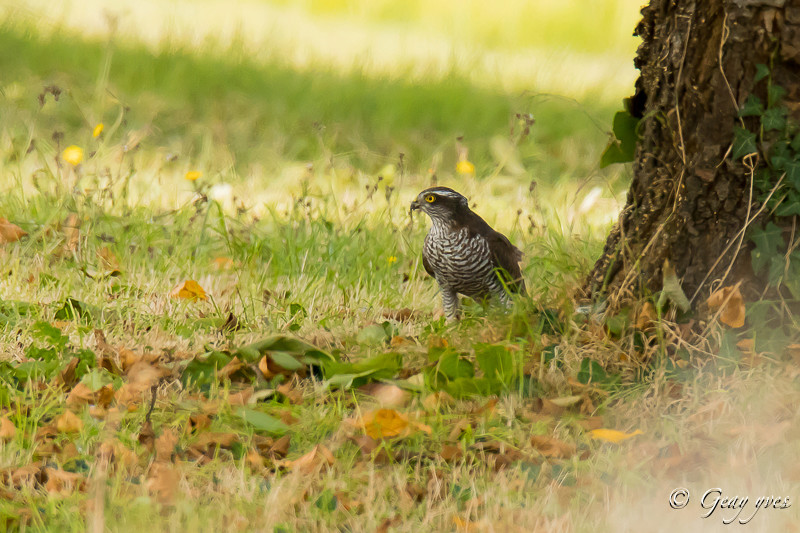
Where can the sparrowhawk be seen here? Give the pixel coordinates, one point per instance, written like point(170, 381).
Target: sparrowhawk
point(464, 254)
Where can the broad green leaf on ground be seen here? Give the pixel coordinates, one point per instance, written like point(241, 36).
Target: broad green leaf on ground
point(345, 375)
point(262, 421)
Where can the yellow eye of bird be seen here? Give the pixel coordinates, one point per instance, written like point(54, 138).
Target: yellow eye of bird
point(430, 198)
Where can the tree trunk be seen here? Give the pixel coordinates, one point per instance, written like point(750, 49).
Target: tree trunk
point(690, 196)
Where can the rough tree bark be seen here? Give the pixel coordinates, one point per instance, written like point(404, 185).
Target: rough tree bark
point(689, 199)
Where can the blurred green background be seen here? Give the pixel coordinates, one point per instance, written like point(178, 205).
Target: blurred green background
point(282, 95)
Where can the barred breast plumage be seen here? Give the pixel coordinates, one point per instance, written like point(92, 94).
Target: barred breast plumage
point(464, 254)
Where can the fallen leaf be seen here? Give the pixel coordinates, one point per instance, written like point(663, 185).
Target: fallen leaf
point(286, 390)
point(646, 317)
point(10, 232)
point(281, 446)
point(612, 435)
point(7, 429)
point(384, 423)
point(451, 453)
point(165, 445)
point(68, 422)
point(317, 458)
point(730, 304)
point(551, 447)
point(386, 395)
point(63, 483)
point(188, 290)
point(162, 482)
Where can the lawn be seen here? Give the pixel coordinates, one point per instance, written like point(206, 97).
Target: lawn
point(213, 312)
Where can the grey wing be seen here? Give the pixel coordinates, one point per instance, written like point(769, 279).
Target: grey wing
point(427, 266)
point(506, 258)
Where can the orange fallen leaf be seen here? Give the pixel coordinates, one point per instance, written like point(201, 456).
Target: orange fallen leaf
point(7, 429)
point(188, 290)
point(384, 423)
point(731, 303)
point(612, 435)
point(10, 232)
point(68, 422)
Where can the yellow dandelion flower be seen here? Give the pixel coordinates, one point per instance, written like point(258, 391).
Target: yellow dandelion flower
point(192, 175)
point(73, 155)
point(465, 167)
point(391, 259)
point(98, 130)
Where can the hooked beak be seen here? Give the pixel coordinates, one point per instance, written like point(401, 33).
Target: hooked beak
point(414, 205)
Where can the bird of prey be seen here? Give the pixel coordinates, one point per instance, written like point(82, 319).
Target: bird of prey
point(464, 254)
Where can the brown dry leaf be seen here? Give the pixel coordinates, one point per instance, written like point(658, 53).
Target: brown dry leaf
point(81, 395)
point(551, 447)
point(387, 395)
point(451, 453)
point(318, 457)
point(7, 429)
point(240, 397)
point(286, 390)
point(145, 374)
point(165, 445)
point(281, 446)
point(197, 422)
point(108, 261)
point(233, 366)
point(71, 229)
point(66, 377)
point(162, 482)
point(188, 290)
point(612, 435)
point(592, 422)
point(10, 232)
point(458, 428)
point(207, 443)
point(63, 483)
point(546, 407)
point(486, 410)
point(729, 301)
point(401, 315)
point(646, 317)
point(399, 340)
point(254, 459)
point(68, 422)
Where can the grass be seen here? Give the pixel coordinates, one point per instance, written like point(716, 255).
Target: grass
point(299, 226)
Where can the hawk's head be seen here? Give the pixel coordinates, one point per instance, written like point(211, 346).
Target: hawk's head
point(440, 203)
